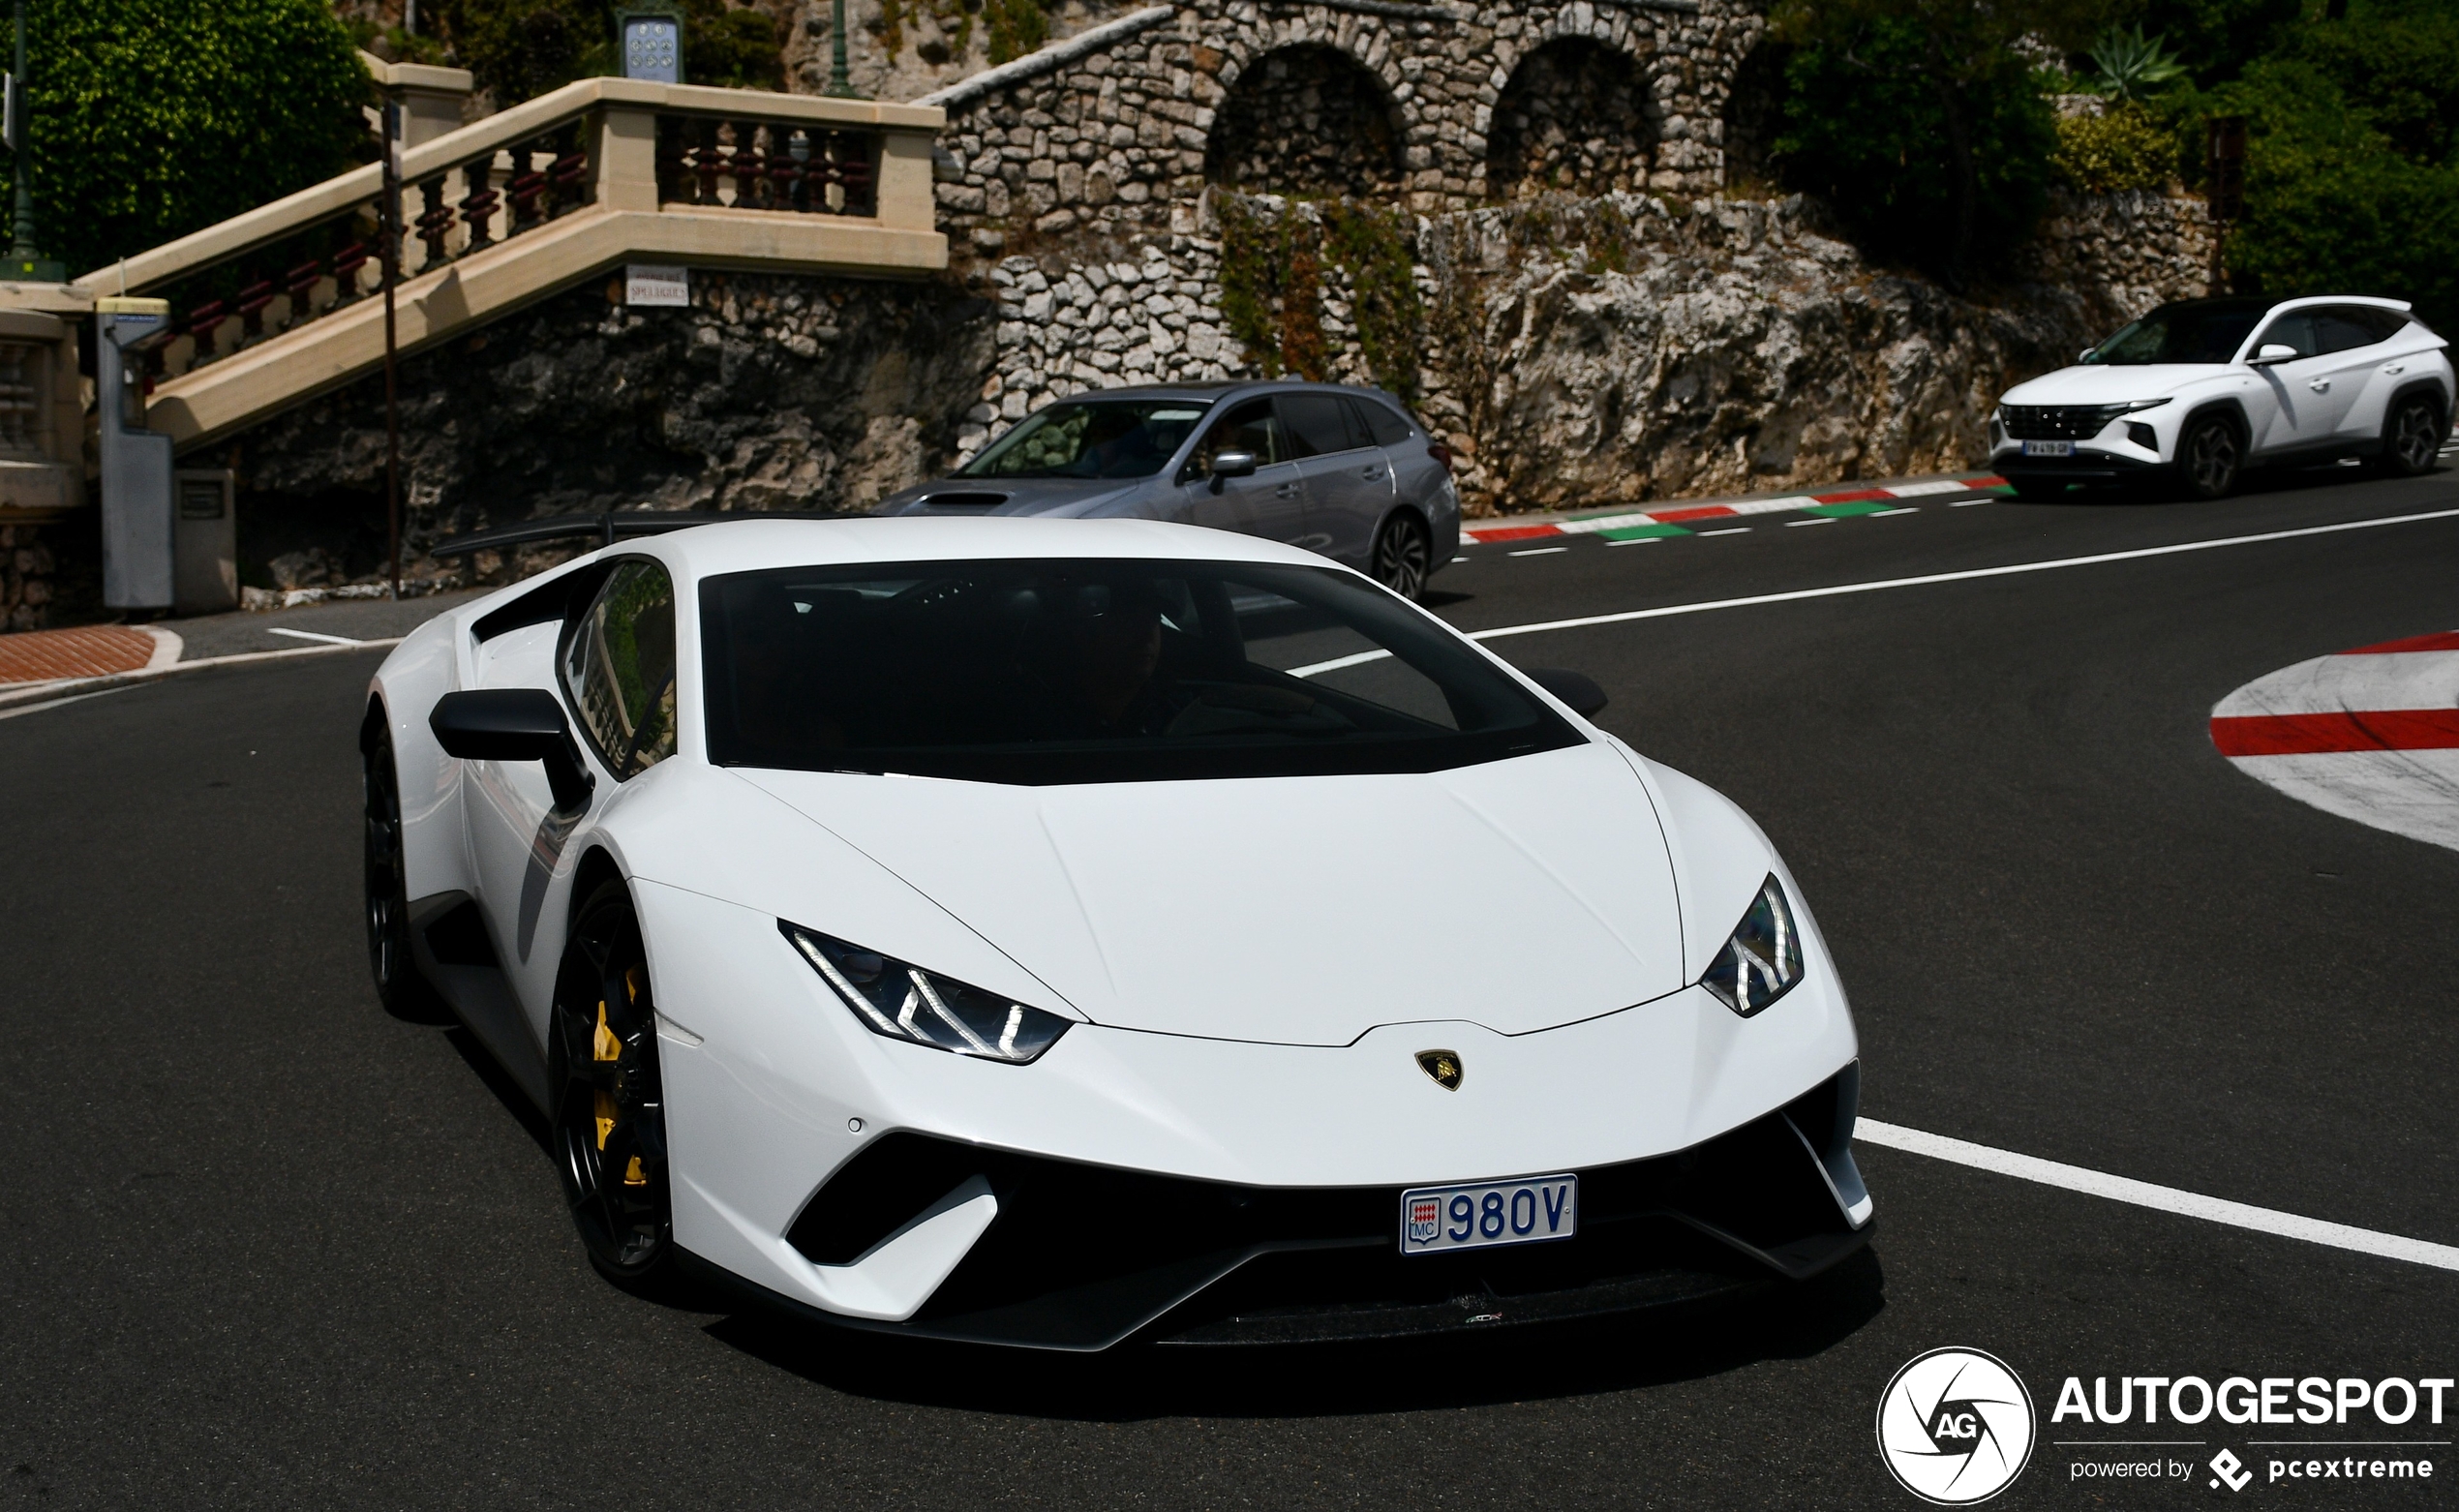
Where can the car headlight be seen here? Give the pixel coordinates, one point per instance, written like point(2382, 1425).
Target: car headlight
point(2112, 412)
point(897, 1001)
point(1762, 959)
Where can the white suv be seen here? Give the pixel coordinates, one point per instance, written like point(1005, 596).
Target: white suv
point(2197, 391)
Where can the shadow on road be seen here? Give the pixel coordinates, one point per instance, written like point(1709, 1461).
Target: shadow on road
point(1519, 1365)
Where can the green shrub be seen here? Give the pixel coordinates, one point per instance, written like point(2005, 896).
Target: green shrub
point(521, 49)
point(1946, 173)
point(2121, 148)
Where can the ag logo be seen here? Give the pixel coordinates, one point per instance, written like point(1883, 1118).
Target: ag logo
point(1955, 1427)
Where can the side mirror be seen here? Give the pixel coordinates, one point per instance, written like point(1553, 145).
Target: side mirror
point(2085, 355)
point(514, 724)
point(1233, 464)
point(1576, 689)
point(2271, 352)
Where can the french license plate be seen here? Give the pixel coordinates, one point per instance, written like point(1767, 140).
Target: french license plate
point(2048, 448)
point(1489, 1214)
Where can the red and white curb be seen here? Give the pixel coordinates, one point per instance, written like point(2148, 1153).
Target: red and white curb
point(2370, 734)
point(1684, 519)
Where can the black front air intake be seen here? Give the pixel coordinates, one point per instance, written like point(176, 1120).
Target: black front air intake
point(1082, 1257)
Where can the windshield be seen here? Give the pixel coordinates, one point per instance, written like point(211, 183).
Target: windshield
point(2199, 330)
point(1091, 439)
point(1096, 671)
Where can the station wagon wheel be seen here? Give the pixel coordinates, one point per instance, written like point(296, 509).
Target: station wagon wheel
point(2213, 456)
point(1404, 554)
point(2412, 438)
point(398, 986)
point(609, 1118)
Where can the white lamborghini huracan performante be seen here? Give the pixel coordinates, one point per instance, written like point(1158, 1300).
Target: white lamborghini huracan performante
point(1060, 933)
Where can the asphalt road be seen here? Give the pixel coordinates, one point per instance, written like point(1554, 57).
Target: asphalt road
point(271, 1248)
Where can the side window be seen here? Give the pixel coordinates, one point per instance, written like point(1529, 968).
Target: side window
point(2345, 328)
point(1250, 427)
point(1319, 424)
point(2291, 330)
point(1387, 428)
point(618, 669)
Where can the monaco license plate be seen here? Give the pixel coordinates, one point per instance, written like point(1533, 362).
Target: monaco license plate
point(2048, 448)
point(1487, 1214)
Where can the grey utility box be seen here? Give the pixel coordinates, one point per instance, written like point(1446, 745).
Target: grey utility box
point(138, 524)
point(206, 544)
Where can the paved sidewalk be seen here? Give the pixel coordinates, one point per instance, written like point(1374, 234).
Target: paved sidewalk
point(1626, 521)
point(88, 651)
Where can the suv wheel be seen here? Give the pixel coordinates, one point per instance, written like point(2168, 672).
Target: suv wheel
point(1404, 554)
point(2411, 437)
point(2209, 455)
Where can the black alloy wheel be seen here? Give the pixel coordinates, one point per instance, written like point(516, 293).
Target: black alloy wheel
point(403, 992)
point(2412, 439)
point(1404, 554)
point(610, 1123)
point(2211, 455)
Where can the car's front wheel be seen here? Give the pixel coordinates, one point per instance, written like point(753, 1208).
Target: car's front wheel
point(398, 986)
point(2411, 437)
point(2210, 457)
point(610, 1115)
point(1404, 554)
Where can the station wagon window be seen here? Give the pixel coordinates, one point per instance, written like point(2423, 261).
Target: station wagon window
point(1066, 671)
point(1320, 424)
point(1386, 428)
point(1091, 439)
point(1247, 427)
point(619, 668)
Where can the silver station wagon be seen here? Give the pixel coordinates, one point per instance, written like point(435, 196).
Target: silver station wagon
point(1338, 470)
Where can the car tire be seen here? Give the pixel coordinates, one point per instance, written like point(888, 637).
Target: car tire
point(2210, 457)
point(2411, 437)
point(609, 1117)
point(1404, 554)
point(404, 993)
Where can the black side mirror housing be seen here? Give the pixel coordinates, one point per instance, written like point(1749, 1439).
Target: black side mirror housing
point(1575, 689)
point(514, 724)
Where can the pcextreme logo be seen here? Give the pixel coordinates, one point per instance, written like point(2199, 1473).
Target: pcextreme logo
point(1955, 1427)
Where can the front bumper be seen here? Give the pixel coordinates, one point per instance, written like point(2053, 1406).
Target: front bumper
point(2082, 468)
point(1083, 1258)
point(1148, 1184)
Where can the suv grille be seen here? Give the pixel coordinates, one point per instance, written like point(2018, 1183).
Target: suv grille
point(2056, 422)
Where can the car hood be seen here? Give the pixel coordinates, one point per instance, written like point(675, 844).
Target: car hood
point(1015, 495)
point(1519, 894)
point(2109, 385)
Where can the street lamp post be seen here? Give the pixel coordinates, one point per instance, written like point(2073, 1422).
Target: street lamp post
point(840, 82)
point(24, 263)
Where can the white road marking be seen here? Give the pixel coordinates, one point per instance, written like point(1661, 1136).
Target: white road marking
point(2166, 1199)
point(1966, 503)
point(1917, 490)
point(1821, 520)
point(1731, 529)
point(1638, 540)
point(1540, 551)
point(61, 703)
point(1881, 584)
point(1881, 514)
point(1460, 559)
point(311, 635)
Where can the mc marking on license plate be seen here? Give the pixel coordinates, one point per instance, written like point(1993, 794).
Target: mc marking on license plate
point(2048, 448)
point(1489, 1214)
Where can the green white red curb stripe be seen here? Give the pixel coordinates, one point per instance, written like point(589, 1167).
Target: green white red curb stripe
point(1679, 518)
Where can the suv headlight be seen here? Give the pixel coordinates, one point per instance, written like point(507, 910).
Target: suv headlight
point(2111, 413)
point(1762, 959)
point(897, 1001)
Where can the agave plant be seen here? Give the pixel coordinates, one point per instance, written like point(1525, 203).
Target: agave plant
point(2131, 64)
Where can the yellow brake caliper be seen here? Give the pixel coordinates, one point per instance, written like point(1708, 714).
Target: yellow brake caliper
point(605, 1047)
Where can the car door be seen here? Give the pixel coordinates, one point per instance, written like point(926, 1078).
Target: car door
point(2306, 398)
point(2366, 364)
point(1348, 481)
point(613, 666)
point(1271, 502)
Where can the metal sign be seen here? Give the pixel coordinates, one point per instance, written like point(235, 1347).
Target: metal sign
point(652, 285)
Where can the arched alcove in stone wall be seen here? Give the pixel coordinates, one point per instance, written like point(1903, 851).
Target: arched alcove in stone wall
point(1575, 116)
point(1755, 115)
point(1306, 120)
